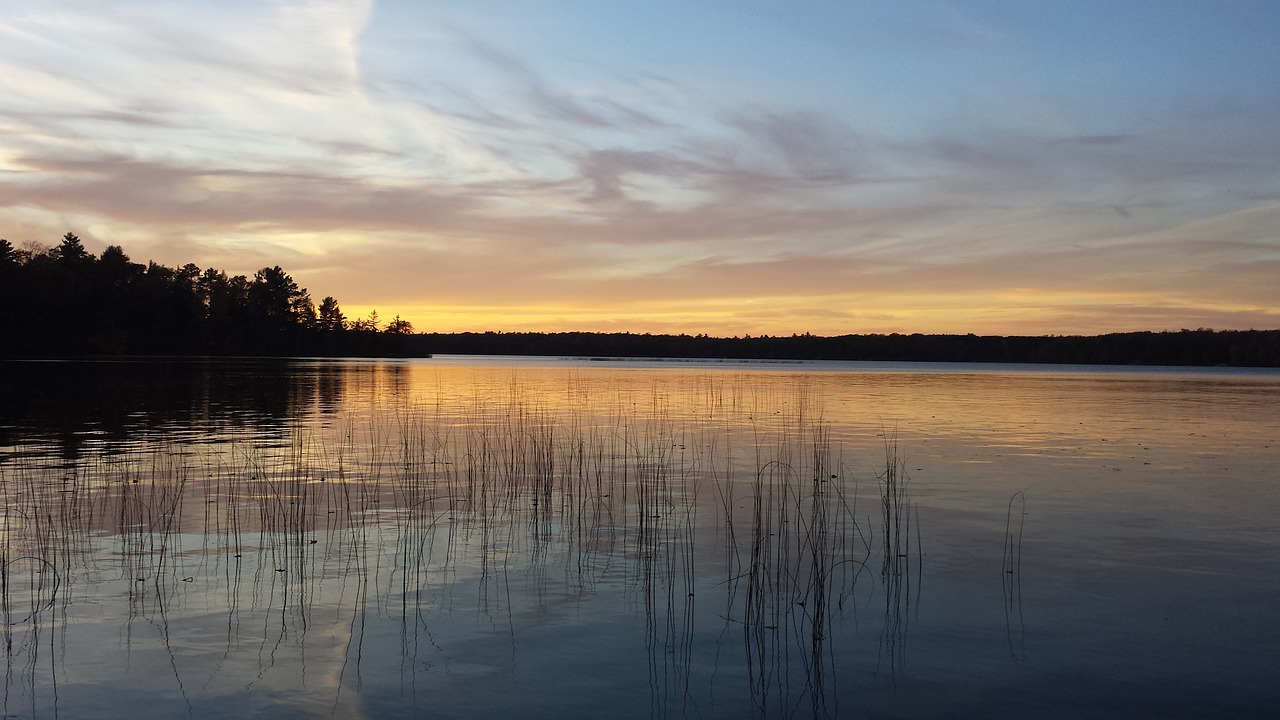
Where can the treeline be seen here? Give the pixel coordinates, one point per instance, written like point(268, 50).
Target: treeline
point(1248, 348)
point(64, 301)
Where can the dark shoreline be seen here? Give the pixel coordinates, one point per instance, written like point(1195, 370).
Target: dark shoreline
point(1189, 348)
point(1186, 348)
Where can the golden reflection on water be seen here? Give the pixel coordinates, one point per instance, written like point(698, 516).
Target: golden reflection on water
point(375, 537)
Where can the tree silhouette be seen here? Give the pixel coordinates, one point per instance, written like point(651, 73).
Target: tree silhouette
point(9, 290)
point(399, 327)
point(71, 251)
point(330, 318)
point(277, 298)
point(62, 300)
point(369, 324)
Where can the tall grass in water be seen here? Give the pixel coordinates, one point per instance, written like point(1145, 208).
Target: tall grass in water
point(896, 566)
point(505, 506)
point(31, 583)
point(1011, 575)
point(67, 529)
point(803, 551)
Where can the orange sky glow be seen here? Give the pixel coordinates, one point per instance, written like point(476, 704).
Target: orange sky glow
point(727, 169)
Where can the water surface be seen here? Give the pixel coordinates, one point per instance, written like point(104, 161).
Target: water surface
point(495, 537)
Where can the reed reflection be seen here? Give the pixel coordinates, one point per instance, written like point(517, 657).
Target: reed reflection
point(793, 566)
point(897, 562)
point(397, 539)
point(1011, 575)
point(33, 579)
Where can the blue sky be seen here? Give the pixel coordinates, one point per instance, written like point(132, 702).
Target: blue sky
point(719, 167)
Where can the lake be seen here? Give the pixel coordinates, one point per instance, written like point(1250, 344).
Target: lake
point(482, 537)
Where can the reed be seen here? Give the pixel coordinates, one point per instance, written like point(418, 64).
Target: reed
point(895, 571)
point(1011, 575)
point(331, 525)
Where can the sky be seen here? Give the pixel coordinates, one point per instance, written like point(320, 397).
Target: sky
point(730, 168)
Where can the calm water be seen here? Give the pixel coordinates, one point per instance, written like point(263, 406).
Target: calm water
point(482, 537)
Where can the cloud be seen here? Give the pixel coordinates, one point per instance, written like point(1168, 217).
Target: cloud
point(803, 145)
point(542, 100)
point(1089, 140)
point(205, 199)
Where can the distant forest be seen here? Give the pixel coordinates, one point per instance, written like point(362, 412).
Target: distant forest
point(1248, 348)
point(63, 301)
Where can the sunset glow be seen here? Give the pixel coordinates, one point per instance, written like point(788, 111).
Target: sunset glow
point(721, 168)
